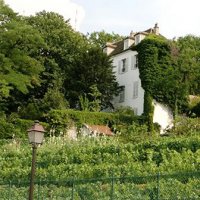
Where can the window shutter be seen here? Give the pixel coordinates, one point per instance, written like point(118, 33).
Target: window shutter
point(127, 64)
point(122, 95)
point(119, 66)
point(135, 89)
point(132, 62)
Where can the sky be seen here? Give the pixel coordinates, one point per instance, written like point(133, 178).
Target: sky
point(175, 18)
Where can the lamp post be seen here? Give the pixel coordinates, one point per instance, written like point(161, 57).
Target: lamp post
point(35, 135)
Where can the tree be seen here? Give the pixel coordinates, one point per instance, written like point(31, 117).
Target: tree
point(93, 68)
point(101, 38)
point(95, 104)
point(6, 13)
point(78, 63)
point(20, 65)
point(64, 47)
point(189, 62)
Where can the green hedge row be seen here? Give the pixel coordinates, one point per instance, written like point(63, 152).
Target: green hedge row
point(62, 119)
point(14, 128)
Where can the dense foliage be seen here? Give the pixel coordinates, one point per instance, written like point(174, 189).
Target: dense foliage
point(101, 38)
point(46, 65)
point(60, 121)
point(60, 159)
point(169, 72)
point(134, 154)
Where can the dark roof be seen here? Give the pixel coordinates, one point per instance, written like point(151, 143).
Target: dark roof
point(119, 48)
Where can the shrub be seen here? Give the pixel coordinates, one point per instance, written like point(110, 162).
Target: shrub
point(63, 119)
point(186, 126)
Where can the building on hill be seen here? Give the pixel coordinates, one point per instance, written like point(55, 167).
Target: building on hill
point(125, 67)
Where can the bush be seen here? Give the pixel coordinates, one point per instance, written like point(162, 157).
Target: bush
point(7, 130)
point(186, 126)
point(63, 119)
point(31, 111)
point(13, 127)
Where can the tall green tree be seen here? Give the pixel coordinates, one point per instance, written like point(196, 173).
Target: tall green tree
point(189, 62)
point(71, 58)
point(20, 66)
point(93, 68)
point(101, 38)
point(64, 47)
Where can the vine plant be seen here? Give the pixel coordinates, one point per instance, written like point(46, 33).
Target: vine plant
point(159, 75)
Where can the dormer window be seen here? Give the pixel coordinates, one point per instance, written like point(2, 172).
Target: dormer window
point(137, 39)
point(109, 48)
point(128, 42)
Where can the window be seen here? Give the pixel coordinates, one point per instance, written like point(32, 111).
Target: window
point(122, 95)
point(135, 89)
point(134, 62)
point(137, 39)
point(123, 65)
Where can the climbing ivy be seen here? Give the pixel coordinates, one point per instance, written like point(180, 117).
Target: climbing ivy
point(154, 57)
point(160, 74)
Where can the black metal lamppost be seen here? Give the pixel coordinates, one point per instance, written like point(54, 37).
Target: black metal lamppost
point(35, 135)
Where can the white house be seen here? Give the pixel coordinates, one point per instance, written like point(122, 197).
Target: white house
point(125, 67)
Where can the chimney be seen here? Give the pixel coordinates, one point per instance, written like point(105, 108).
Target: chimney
point(132, 34)
point(156, 29)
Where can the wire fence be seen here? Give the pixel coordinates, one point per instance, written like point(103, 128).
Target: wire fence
point(183, 186)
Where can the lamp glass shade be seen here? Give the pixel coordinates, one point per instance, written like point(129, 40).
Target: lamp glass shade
point(35, 137)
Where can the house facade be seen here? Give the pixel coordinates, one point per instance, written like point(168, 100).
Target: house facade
point(125, 67)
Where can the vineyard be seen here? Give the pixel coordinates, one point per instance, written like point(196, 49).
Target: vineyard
point(171, 186)
point(103, 168)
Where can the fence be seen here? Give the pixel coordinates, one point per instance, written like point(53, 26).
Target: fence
point(184, 186)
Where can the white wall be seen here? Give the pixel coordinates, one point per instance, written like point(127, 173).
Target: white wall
point(127, 79)
point(163, 116)
point(139, 38)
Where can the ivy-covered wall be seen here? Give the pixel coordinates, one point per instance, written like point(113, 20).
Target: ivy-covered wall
point(160, 75)
point(153, 58)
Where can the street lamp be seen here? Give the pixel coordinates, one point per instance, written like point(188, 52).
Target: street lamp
point(35, 135)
